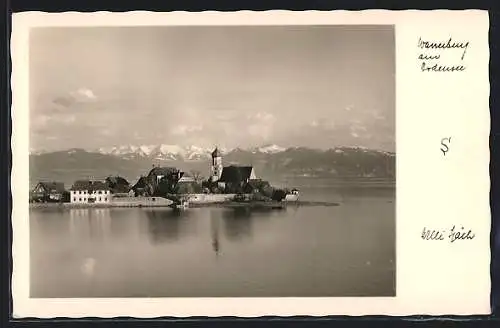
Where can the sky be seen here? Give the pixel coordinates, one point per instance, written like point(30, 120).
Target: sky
point(232, 86)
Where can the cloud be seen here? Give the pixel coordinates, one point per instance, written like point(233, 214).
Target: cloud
point(182, 130)
point(259, 130)
point(106, 132)
point(82, 95)
point(262, 117)
point(45, 122)
point(261, 125)
point(322, 123)
point(63, 101)
point(376, 114)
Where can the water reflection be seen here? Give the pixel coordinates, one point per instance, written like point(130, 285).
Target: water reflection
point(237, 223)
point(54, 220)
point(121, 224)
point(166, 225)
point(217, 252)
point(214, 229)
point(86, 222)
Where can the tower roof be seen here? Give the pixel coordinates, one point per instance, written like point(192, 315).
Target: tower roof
point(216, 153)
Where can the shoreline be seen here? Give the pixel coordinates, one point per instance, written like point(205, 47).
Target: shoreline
point(270, 205)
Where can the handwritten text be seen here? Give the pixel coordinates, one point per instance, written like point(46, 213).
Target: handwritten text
point(452, 235)
point(430, 55)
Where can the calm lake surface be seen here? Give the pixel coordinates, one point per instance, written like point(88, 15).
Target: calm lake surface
point(309, 251)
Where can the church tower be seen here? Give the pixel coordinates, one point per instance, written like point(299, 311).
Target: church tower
point(216, 165)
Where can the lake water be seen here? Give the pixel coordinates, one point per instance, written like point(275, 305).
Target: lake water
point(309, 251)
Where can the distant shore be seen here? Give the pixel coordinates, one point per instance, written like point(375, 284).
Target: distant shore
point(300, 182)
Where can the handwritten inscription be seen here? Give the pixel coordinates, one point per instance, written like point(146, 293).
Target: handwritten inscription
point(445, 145)
point(452, 235)
point(430, 56)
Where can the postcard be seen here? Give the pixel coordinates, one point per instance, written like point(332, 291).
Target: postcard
point(250, 163)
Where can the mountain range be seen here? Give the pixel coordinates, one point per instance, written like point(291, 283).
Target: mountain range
point(270, 162)
point(175, 152)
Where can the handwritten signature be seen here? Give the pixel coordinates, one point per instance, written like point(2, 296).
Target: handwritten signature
point(454, 234)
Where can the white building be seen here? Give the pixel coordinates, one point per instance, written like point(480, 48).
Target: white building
point(86, 191)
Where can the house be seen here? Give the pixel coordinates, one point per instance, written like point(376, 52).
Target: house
point(118, 185)
point(49, 192)
point(158, 173)
point(158, 182)
point(234, 178)
point(164, 180)
point(188, 185)
point(87, 191)
point(142, 187)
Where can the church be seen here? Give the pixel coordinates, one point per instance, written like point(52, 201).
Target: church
point(231, 179)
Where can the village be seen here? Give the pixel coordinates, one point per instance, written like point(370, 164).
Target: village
point(168, 186)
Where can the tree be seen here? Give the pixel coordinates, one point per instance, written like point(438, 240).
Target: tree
point(198, 178)
point(167, 185)
point(279, 195)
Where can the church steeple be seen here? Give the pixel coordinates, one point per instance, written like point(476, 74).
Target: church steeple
point(216, 169)
point(216, 153)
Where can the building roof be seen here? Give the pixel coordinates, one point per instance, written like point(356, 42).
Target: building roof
point(81, 185)
point(141, 183)
point(118, 184)
point(116, 180)
point(216, 153)
point(52, 186)
point(157, 170)
point(235, 173)
point(187, 178)
point(89, 185)
point(258, 183)
point(99, 185)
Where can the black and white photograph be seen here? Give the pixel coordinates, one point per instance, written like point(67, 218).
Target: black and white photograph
point(212, 161)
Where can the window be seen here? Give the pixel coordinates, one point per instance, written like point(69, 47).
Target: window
point(80, 199)
point(100, 192)
point(74, 199)
point(106, 199)
point(99, 198)
point(80, 192)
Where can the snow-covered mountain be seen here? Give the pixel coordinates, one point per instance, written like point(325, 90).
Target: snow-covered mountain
point(176, 152)
point(268, 149)
point(160, 152)
point(195, 153)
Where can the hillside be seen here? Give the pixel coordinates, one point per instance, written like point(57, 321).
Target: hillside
point(271, 163)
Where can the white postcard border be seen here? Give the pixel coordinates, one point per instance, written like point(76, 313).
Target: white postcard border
point(432, 277)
